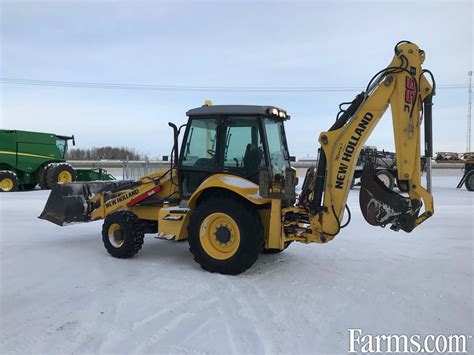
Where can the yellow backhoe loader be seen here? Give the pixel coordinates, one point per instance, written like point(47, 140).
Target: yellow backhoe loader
point(230, 190)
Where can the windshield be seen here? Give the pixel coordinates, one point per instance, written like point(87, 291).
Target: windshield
point(277, 147)
point(61, 144)
point(200, 147)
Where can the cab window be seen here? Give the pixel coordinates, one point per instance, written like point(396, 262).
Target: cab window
point(61, 144)
point(243, 148)
point(277, 147)
point(200, 147)
point(198, 154)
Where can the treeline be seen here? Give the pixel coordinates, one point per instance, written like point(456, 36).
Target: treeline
point(106, 153)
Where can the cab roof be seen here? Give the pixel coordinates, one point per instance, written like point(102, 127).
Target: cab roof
point(206, 110)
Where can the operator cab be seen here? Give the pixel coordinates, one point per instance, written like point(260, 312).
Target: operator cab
point(61, 144)
point(234, 139)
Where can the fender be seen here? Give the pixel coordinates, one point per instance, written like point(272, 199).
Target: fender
point(241, 186)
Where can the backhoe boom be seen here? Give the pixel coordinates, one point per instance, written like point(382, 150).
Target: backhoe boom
point(404, 87)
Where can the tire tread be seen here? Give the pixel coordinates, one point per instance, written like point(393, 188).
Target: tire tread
point(132, 225)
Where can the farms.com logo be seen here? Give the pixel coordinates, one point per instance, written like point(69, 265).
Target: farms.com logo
point(360, 343)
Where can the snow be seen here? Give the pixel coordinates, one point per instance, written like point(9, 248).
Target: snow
point(62, 293)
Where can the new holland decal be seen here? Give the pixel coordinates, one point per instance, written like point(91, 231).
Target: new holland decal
point(350, 148)
point(121, 198)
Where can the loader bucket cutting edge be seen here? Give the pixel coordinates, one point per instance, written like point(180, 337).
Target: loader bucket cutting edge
point(69, 203)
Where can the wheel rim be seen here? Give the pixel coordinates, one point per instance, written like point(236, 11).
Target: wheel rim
point(115, 234)
point(219, 236)
point(385, 179)
point(65, 176)
point(6, 184)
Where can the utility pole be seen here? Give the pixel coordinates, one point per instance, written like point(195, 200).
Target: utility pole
point(469, 109)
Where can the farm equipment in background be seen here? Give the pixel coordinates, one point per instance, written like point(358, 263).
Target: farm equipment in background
point(31, 158)
point(230, 190)
point(94, 174)
point(385, 164)
point(467, 159)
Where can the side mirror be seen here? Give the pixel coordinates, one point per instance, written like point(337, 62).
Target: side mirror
point(292, 158)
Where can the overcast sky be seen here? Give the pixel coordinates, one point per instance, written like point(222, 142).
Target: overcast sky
point(221, 43)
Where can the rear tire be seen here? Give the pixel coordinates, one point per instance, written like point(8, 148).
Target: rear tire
point(8, 181)
point(122, 234)
point(387, 178)
point(225, 234)
point(276, 251)
point(470, 181)
point(60, 173)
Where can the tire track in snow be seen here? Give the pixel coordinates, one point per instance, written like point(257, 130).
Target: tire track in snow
point(233, 306)
point(168, 326)
point(171, 307)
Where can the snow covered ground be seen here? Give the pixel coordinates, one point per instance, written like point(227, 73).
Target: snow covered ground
point(62, 293)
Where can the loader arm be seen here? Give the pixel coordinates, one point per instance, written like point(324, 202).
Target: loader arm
point(402, 86)
point(89, 201)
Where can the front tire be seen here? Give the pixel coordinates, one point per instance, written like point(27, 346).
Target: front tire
point(225, 234)
point(122, 234)
point(42, 176)
point(8, 181)
point(60, 173)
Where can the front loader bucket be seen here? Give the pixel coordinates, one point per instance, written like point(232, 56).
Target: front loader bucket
point(69, 203)
point(382, 206)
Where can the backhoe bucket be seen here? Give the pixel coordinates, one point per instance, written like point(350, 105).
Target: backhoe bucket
point(69, 203)
point(382, 206)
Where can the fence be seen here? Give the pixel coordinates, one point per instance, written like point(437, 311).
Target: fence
point(135, 169)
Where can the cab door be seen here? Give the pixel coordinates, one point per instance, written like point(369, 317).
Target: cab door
point(198, 153)
point(243, 152)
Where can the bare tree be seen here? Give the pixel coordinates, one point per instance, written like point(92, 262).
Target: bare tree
point(105, 153)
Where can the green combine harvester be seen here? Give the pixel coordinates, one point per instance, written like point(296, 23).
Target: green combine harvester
point(31, 158)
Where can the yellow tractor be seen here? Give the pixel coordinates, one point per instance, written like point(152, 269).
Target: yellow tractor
point(230, 190)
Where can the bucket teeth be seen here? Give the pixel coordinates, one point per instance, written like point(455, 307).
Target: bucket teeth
point(382, 206)
point(69, 203)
